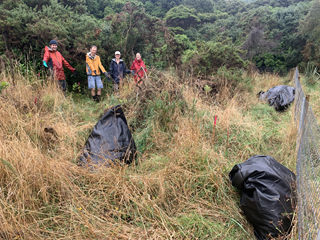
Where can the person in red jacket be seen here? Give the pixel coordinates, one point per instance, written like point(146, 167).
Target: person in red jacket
point(136, 66)
point(53, 60)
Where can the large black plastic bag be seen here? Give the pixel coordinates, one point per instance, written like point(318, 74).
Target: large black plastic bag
point(110, 141)
point(267, 195)
point(280, 97)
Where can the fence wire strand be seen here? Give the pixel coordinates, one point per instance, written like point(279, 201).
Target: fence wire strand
point(308, 165)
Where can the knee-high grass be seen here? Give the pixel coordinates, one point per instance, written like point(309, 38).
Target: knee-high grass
point(178, 188)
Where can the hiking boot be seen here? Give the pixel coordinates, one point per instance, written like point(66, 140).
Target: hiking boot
point(98, 98)
point(94, 98)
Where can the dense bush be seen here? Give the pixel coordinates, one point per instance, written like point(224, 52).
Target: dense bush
point(210, 56)
point(165, 32)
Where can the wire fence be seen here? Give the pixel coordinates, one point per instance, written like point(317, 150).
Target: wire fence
point(308, 165)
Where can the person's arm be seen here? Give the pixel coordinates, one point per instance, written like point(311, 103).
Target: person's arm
point(133, 67)
point(101, 67)
point(67, 65)
point(106, 74)
point(125, 70)
point(111, 69)
point(46, 58)
point(89, 66)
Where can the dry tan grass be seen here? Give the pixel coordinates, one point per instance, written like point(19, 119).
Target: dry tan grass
point(176, 187)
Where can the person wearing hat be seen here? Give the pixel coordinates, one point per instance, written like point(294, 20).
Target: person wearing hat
point(118, 71)
point(93, 67)
point(53, 60)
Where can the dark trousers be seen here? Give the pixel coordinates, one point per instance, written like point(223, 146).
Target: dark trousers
point(62, 84)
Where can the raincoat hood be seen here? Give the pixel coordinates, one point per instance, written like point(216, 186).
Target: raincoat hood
point(48, 49)
point(90, 56)
point(116, 61)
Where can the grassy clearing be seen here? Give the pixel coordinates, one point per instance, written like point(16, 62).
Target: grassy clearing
point(177, 189)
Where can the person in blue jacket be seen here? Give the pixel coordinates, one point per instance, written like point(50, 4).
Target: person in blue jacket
point(118, 71)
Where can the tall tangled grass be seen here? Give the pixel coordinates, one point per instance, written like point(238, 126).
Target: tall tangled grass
point(177, 189)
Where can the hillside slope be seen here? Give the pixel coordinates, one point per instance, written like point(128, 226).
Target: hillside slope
point(177, 188)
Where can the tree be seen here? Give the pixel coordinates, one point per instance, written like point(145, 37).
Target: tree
point(311, 53)
point(211, 56)
point(274, 61)
point(309, 28)
point(201, 6)
point(133, 30)
point(36, 4)
point(113, 7)
point(310, 24)
point(256, 43)
point(159, 8)
point(76, 5)
point(182, 16)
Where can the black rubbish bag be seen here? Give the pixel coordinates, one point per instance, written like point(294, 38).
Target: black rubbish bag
point(280, 97)
point(110, 141)
point(267, 195)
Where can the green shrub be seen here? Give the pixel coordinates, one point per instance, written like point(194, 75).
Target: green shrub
point(3, 86)
point(211, 56)
point(311, 73)
point(235, 78)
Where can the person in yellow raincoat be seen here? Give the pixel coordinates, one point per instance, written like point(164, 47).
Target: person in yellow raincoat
point(93, 67)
